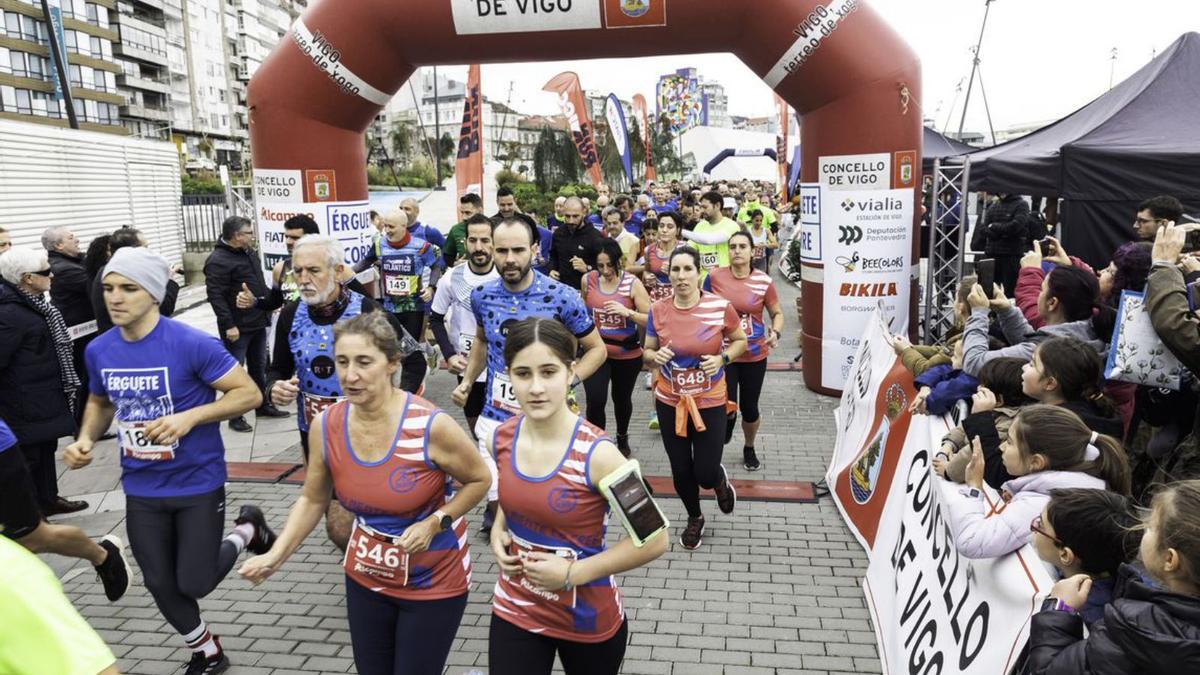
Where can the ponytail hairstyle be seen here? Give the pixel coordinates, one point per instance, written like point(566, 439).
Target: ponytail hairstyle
point(1077, 368)
point(1059, 436)
point(1076, 290)
point(1176, 510)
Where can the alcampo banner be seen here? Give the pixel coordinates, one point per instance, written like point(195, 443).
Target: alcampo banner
point(934, 611)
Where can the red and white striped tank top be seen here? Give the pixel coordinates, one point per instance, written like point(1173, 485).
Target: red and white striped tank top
point(562, 513)
point(389, 495)
point(619, 333)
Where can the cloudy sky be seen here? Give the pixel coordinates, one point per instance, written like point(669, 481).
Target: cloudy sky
point(1040, 60)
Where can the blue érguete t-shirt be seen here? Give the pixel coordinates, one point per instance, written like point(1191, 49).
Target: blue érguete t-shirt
point(167, 372)
point(7, 438)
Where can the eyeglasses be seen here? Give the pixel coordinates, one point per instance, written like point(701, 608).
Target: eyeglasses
point(1146, 221)
point(42, 273)
point(1036, 526)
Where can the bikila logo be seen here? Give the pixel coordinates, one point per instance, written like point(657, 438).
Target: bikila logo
point(848, 264)
point(849, 234)
point(562, 500)
point(635, 8)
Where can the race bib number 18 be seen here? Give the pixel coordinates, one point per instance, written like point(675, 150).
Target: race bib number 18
point(136, 445)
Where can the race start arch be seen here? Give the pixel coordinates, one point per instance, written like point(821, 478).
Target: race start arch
point(850, 77)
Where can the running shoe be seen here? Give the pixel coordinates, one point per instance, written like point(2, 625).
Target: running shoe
point(623, 445)
point(730, 424)
point(240, 425)
point(693, 534)
point(208, 665)
point(726, 495)
point(114, 572)
point(750, 459)
point(264, 536)
point(653, 420)
point(649, 383)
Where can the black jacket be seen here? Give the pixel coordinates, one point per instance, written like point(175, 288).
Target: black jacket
point(1004, 229)
point(104, 321)
point(566, 244)
point(32, 401)
point(1144, 630)
point(1097, 419)
point(224, 273)
point(69, 290)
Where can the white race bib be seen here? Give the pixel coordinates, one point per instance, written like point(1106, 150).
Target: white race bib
point(465, 341)
point(504, 397)
point(709, 259)
point(135, 444)
point(399, 284)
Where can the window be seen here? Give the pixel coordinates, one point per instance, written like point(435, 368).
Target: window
point(92, 16)
point(24, 102)
point(97, 50)
point(74, 76)
point(69, 39)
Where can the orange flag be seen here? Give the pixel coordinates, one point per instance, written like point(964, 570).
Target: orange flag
point(574, 108)
point(469, 166)
point(639, 107)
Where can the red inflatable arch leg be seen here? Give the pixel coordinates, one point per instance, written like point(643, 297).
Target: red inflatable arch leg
point(853, 81)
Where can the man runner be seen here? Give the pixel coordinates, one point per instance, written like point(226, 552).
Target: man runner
point(159, 378)
point(519, 293)
point(302, 366)
point(712, 234)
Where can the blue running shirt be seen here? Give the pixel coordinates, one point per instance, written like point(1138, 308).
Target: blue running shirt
point(167, 372)
point(7, 438)
point(496, 308)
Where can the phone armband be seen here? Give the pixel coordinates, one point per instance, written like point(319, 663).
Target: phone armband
point(629, 497)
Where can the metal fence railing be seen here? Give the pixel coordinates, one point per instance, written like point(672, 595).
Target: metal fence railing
point(202, 218)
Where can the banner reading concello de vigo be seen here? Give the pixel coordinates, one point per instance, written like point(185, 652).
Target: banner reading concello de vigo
point(933, 610)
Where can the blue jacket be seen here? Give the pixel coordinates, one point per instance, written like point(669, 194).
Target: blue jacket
point(947, 385)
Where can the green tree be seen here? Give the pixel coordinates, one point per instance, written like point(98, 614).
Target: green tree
point(401, 139)
point(663, 150)
point(555, 160)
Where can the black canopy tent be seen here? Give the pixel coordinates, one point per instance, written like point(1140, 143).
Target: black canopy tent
point(936, 146)
point(1139, 140)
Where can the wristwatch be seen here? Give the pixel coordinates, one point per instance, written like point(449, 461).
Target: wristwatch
point(444, 519)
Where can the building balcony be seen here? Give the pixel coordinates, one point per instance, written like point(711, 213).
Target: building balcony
point(130, 51)
point(143, 83)
point(154, 25)
point(134, 111)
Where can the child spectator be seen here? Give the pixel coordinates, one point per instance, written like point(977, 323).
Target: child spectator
point(1067, 372)
point(1090, 532)
point(919, 358)
point(1048, 448)
point(943, 386)
point(994, 406)
point(1146, 629)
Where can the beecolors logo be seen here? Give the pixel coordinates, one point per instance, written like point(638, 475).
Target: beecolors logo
point(849, 234)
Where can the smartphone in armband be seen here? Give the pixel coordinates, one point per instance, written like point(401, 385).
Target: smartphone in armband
point(626, 492)
point(985, 271)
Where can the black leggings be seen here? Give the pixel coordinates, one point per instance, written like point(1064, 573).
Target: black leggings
point(516, 651)
point(392, 636)
point(624, 374)
point(744, 382)
point(412, 371)
point(177, 542)
point(695, 460)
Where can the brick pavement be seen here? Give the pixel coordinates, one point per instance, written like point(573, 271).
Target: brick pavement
point(774, 589)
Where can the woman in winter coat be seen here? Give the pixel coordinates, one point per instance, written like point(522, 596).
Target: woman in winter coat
point(1147, 628)
point(1047, 448)
point(37, 371)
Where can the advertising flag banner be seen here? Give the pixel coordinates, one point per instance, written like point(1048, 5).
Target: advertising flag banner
point(56, 24)
point(866, 240)
point(781, 153)
point(620, 133)
point(468, 168)
point(934, 611)
point(639, 109)
point(574, 108)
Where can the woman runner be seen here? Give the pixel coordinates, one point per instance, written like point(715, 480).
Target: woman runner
point(764, 240)
point(556, 592)
point(619, 304)
point(750, 291)
point(655, 277)
point(684, 338)
point(390, 455)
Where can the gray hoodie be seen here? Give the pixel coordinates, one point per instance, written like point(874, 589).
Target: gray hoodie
point(1023, 338)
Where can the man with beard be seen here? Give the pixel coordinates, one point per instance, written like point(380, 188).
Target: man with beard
point(571, 244)
point(518, 294)
point(302, 369)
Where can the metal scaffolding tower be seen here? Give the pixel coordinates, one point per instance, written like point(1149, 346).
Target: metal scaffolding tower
point(949, 222)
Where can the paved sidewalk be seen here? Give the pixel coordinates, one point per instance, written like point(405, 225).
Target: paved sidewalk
point(773, 590)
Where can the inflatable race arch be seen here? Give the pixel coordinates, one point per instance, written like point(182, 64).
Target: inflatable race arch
point(735, 152)
point(850, 77)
